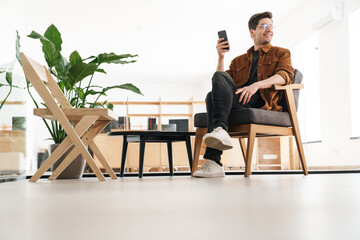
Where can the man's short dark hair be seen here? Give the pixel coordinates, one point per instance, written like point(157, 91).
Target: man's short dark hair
point(254, 20)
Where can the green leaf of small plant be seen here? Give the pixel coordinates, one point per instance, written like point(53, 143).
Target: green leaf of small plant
point(9, 78)
point(110, 106)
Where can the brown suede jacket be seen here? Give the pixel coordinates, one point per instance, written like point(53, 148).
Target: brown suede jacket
point(272, 60)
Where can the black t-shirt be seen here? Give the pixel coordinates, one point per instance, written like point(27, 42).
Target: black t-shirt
point(256, 101)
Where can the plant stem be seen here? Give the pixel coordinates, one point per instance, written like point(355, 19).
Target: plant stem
point(97, 98)
point(78, 95)
point(87, 88)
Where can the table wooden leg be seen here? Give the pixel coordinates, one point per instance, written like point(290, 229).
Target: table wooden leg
point(141, 156)
point(169, 148)
point(123, 156)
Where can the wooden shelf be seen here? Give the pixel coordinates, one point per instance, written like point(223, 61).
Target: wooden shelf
point(159, 114)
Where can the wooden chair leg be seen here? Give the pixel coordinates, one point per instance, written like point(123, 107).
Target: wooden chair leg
point(250, 148)
point(243, 150)
point(200, 132)
point(59, 151)
point(87, 139)
point(63, 147)
point(296, 130)
point(300, 151)
point(102, 160)
point(81, 147)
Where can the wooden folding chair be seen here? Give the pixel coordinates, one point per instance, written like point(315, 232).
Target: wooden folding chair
point(252, 123)
point(88, 122)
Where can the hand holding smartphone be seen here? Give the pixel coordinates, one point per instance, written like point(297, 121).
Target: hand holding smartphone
point(222, 34)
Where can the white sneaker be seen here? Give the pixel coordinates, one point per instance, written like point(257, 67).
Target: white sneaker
point(210, 169)
point(218, 139)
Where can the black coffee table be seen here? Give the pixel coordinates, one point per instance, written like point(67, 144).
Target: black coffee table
point(153, 136)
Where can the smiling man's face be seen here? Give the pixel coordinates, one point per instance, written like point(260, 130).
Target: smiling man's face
point(263, 33)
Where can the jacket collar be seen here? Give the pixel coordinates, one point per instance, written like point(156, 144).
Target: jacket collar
point(265, 49)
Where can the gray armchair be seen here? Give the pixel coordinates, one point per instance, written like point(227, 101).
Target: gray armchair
point(253, 122)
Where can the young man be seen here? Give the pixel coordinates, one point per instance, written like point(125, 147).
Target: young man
point(247, 84)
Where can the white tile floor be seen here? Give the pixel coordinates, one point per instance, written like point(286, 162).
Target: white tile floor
point(260, 207)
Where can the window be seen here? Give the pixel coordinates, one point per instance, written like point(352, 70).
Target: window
point(306, 59)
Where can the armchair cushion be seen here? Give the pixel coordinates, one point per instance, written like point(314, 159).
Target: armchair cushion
point(249, 115)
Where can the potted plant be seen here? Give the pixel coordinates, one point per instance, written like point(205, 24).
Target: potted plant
point(74, 75)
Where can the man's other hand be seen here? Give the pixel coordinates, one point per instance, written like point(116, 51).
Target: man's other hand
point(246, 93)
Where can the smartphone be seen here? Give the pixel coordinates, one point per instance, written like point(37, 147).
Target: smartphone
point(222, 34)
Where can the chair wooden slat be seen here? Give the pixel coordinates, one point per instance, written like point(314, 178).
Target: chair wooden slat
point(56, 91)
point(77, 113)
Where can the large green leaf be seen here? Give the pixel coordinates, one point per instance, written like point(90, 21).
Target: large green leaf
point(113, 58)
point(75, 58)
point(126, 86)
point(54, 36)
point(62, 68)
point(51, 52)
point(80, 71)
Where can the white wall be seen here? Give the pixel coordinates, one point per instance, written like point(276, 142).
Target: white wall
point(176, 41)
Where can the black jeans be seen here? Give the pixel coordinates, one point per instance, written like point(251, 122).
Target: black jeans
point(219, 103)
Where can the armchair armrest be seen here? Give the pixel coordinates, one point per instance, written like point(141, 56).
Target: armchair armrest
point(290, 87)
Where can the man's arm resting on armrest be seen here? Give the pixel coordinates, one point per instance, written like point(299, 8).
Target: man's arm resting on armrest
point(268, 83)
point(248, 91)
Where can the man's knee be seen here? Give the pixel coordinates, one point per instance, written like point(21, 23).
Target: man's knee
point(208, 97)
point(221, 77)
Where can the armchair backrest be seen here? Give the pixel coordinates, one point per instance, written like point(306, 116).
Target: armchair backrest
point(298, 77)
